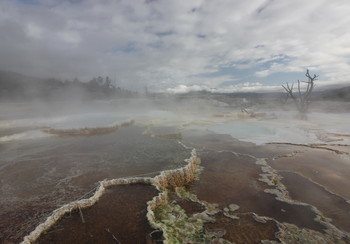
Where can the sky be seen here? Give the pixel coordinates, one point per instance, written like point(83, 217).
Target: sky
point(179, 45)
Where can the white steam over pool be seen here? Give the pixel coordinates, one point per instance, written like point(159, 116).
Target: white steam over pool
point(268, 126)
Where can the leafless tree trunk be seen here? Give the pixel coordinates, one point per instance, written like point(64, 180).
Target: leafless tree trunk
point(302, 99)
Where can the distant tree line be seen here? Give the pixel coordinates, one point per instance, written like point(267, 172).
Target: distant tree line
point(14, 86)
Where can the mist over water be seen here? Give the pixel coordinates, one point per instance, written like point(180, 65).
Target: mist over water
point(265, 124)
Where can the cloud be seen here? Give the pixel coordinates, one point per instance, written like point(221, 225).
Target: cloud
point(166, 44)
point(250, 87)
point(69, 37)
point(33, 31)
point(185, 89)
point(241, 87)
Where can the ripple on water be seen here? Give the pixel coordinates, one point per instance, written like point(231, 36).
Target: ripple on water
point(321, 166)
point(228, 178)
point(330, 205)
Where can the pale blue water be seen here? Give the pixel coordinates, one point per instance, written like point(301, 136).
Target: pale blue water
point(243, 129)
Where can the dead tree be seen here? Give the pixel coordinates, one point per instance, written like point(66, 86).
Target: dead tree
point(302, 99)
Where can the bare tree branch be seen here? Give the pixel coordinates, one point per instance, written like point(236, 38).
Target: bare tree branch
point(302, 100)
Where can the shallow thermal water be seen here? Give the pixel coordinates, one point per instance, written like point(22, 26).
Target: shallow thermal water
point(127, 223)
point(40, 172)
point(260, 132)
point(39, 175)
point(284, 129)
